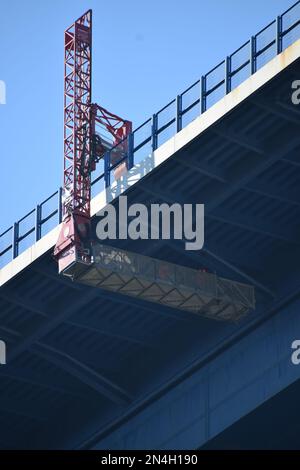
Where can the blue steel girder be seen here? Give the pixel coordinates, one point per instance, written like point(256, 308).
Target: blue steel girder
point(292, 109)
point(9, 335)
point(85, 325)
point(264, 189)
point(21, 411)
point(119, 298)
point(242, 176)
point(195, 382)
point(225, 216)
point(202, 168)
point(235, 269)
point(39, 381)
point(274, 192)
point(169, 197)
point(279, 109)
point(83, 373)
point(292, 162)
point(13, 298)
point(53, 276)
point(225, 133)
point(228, 264)
point(253, 224)
point(50, 323)
point(195, 163)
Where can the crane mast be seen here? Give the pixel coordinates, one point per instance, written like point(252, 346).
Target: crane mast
point(77, 109)
point(83, 146)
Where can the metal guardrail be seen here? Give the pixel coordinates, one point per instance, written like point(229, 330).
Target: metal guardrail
point(178, 113)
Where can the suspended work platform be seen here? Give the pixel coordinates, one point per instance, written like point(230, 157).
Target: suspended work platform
point(165, 283)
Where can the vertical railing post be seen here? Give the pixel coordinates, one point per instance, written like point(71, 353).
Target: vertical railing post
point(107, 169)
point(38, 231)
point(178, 113)
point(203, 94)
point(130, 146)
point(60, 208)
point(227, 75)
point(279, 34)
point(154, 132)
point(253, 55)
point(15, 241)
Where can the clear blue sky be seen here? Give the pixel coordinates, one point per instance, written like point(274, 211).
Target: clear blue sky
point(144, 53)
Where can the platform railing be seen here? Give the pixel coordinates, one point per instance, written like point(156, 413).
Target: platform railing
point(172, 118)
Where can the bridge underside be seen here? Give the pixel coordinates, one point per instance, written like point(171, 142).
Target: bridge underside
point(83, 362)
point(273, 425)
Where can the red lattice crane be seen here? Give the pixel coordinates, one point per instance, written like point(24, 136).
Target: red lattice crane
point(83, 147)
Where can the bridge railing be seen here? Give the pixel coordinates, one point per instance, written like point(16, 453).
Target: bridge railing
point(178, 113)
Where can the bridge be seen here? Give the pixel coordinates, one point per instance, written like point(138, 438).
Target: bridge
point(87, 368)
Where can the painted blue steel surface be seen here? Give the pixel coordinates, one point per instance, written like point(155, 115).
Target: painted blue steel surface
point(221, 392)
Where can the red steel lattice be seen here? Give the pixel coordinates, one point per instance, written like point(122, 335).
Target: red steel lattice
point(83, 147)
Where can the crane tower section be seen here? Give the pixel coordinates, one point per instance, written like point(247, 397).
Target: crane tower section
point(86, 126)
point(77, 108)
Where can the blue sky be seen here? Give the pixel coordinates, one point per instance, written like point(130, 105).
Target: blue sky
point(144, 54)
